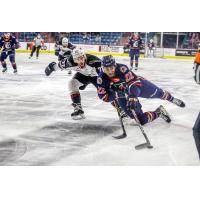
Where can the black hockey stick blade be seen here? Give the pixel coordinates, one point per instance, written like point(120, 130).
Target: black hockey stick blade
point(144, 145)
point(120, 136)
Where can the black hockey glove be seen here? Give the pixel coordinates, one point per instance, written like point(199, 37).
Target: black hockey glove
point(15, 46)
point(50, 68)
point(82, 87)
point(133, 103)
point(64, 64)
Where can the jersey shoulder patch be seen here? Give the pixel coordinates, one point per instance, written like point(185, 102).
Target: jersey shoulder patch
point(123, 69)
point(99, 80)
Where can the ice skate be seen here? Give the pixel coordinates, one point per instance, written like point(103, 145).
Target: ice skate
point(4, 70)
point(178, 102)
point(69, 72)
point(136, 67)
point(78, 112)
point(15, 71)
point(162, 113)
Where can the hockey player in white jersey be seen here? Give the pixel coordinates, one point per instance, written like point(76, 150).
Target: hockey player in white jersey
point(87, 68)
point(63, 49)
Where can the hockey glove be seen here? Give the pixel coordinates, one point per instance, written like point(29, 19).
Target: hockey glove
point(64, 64)
point(133, 103)
point(82, 87)
point(50, 68)
point(61, 53)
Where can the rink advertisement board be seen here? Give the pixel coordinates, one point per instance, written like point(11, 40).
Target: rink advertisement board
point(51, 46)
point(114, 49)
point(87, 47)
point(186, 52)
point(45, 47)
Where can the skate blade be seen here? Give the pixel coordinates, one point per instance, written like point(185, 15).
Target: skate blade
point(69, 73)
point(168, 120)
point(181, 105)
point(79, 117)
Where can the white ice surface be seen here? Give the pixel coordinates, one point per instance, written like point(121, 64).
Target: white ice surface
point(36, 127)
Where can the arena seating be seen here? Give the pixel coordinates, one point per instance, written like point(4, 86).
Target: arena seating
point(107, 38)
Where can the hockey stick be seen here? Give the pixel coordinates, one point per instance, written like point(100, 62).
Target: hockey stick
point(147, 144)
point(123, 135)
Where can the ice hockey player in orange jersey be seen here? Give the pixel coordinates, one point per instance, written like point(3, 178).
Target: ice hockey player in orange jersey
point(197, 66)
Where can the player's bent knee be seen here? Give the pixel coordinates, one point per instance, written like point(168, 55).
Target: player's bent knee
point(73, 85)
point(159, 93)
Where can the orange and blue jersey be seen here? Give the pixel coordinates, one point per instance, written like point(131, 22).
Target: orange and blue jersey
point(11, 44)
point(126, 83)
point(197, 58)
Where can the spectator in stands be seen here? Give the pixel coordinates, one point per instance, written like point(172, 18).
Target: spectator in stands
point(155, 39)
point(98, 39)
point(194, 40)
point(85, 38)
point(185, 42)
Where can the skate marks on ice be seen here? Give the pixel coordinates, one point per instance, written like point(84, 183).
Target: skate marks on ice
point(53, 142)
point(11, 149)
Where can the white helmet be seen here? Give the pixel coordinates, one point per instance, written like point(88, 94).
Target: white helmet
point(38, 36)
point(65, 41)
point(77, 53)
point(151, 40)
